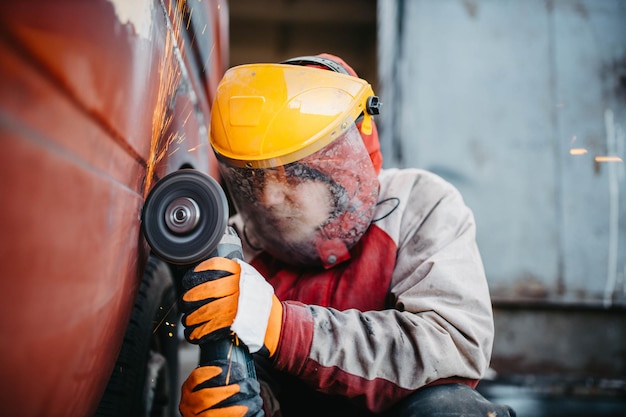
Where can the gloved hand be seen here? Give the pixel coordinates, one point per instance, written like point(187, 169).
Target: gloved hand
point(224, 295)
point(221, 390)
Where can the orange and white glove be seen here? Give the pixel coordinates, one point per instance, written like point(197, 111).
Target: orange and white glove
point(221, 390)
point(224, 295)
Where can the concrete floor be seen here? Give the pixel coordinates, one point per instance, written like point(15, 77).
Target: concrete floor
point(535, 396)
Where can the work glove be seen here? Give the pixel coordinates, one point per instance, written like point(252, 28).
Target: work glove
point(224, 295)
point(221, 390)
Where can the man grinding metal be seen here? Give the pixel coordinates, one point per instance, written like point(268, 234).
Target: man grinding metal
point(364, 291)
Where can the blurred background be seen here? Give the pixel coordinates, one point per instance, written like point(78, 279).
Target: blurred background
point(522, 106)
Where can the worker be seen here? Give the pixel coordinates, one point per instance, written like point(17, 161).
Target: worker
point(363, 292)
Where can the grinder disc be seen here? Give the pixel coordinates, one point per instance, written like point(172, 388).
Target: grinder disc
point(184, 217)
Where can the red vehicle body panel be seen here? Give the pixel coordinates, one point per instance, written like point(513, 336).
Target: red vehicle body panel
point(98, 99)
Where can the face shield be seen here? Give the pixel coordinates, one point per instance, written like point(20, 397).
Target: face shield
point(294, 161)
point(312, 211)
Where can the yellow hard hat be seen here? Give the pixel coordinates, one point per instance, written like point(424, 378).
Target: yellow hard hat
point(267, 115)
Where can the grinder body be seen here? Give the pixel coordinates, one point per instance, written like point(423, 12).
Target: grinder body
point(230, 348)
point(184, 220)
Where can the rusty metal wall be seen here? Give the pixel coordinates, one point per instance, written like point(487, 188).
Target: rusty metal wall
point(522, 105)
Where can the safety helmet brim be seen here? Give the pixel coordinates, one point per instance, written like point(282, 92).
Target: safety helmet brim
point(268, 115)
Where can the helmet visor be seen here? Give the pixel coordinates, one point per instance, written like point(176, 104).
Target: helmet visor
point(311, 211)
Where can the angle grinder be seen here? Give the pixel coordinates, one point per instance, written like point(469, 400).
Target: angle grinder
point(185, 221)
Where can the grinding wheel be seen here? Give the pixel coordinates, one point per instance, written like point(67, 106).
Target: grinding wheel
point(184, 217)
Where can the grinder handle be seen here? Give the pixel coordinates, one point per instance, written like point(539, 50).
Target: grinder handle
point(230, 348)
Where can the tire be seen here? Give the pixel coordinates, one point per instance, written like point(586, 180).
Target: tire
point(144, 382)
